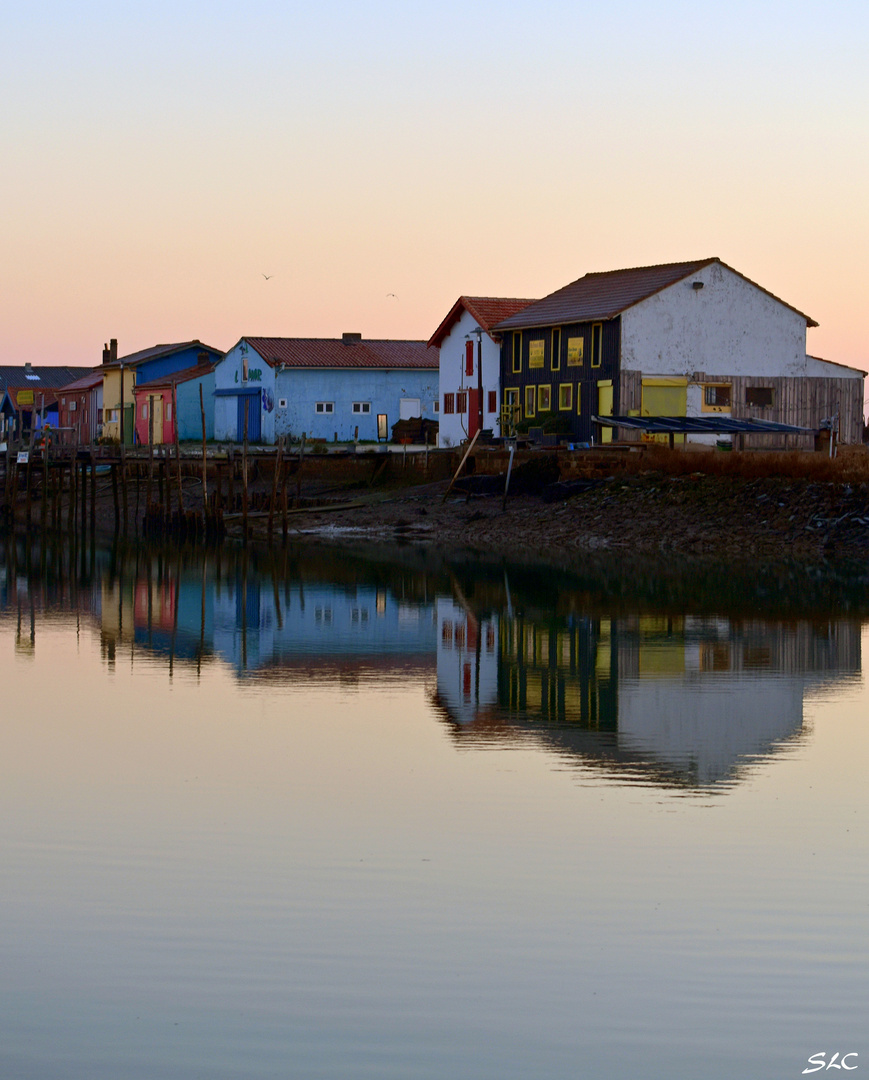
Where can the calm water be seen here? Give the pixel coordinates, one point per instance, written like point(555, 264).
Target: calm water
point(336, 815)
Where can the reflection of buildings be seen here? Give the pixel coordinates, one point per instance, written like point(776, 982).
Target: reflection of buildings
point(260, 625)
point(682, 697)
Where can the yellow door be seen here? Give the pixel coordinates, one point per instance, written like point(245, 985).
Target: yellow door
point(664, 397)
point(157, 412)
point(605, 407)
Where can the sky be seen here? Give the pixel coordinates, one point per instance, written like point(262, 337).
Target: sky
point(158, 160)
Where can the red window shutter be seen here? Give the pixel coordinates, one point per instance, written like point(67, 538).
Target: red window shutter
point(469, 358)
point(449, 403)
point(493, 401)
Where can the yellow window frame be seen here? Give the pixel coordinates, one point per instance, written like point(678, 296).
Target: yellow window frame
point(565, 397)
point(530, 401)
point(596, 344)
point(517, 351)
point(544, 394)
point(555, 349)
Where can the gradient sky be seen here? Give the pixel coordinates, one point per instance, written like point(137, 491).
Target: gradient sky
point(158, 159)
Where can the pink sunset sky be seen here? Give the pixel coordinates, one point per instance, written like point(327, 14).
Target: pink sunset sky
point(158, 160)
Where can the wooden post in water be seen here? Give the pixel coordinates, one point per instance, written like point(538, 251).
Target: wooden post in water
point(93, 493)
point(150, 456)
point(43, 515)
point(115, 502)
point(274, 498)
point(204, 465)
point(178, 474)
point(299, 470)
point(27, 496)
point(244, 471)
point(124, 486)
point(72, 505)
point(230, 454)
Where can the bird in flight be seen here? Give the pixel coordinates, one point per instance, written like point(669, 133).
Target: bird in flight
point(392, 294)
point(268, 276)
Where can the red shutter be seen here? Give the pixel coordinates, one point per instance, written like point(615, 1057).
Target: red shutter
point(469, 358)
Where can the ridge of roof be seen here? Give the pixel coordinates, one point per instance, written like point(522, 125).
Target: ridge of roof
point(153, 352)
point(604, 294)
point(835, 363)
point(338, 353)
point(487, 310)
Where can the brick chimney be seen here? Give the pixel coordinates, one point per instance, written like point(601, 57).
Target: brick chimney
point(110, 351)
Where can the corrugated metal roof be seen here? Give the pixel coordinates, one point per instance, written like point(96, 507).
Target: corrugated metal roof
point(334, 353)
point(487, 310)
point(186, 375)
point(602, 296)
point(87, 382)
point(55, 375)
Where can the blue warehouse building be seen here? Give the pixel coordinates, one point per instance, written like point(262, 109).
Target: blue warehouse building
point(325, 388)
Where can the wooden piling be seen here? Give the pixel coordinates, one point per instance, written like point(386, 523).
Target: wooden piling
point(124, 486)
point(274, 497)
point(205, 463)
point(93, 464)
point(244, 492)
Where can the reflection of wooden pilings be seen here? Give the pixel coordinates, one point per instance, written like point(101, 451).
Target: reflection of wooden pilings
point(244, 471)
point(204, 465)
point(275, 479)
point(124, 486)
point(93, 492)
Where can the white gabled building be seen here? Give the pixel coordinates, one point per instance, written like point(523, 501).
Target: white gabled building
point(688, 339)
point(462, 336)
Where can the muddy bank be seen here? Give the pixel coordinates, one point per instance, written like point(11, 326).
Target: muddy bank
point(694, 514)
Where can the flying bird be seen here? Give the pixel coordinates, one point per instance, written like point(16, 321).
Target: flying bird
point(392, 294)
point(268, 276)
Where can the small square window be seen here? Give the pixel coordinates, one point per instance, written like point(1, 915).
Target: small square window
point(362, 406)
point(325, 406)
point(761, 397)
point(716, 397)
point(282, 403)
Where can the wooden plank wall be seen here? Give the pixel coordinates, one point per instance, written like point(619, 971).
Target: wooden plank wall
point(801, 402)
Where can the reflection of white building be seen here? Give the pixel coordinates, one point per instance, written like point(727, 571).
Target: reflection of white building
point(467, 661)
point(689, 699)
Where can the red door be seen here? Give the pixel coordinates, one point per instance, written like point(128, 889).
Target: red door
point(473, 412)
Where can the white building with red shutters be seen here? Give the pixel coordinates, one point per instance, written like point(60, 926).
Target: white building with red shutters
point(463, 339)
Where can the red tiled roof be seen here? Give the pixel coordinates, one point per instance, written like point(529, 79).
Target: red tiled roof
point(601, 296)
point(334, 353)
point(40, 397)
point(487, 310)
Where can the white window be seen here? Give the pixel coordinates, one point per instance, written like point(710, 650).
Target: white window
point(72, 406)
point(144, 412)
point(436, 406)
point(362, 406)
point(168, 410)
point(325, 406)
point(282, 403)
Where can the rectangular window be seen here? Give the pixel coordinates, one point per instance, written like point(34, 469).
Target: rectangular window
point(144, 412)
point(555, 354)
point(435, 406)
point(544, 398)
point(493, 401)
point(575, 350)
point(469, 358)
point(716, 397)
point(325, 406)
point(362, 406)
point(73, 405)
point(99, 416)
point(761, 397)
point(282, 403)
point(449, 404)
point(517, 352)
point(565, 397)
point(536, 351)
point(530, 400)
point(511, 410)
point(462, 401)
point(596, 342)
point(168, 410)
point(579, 397)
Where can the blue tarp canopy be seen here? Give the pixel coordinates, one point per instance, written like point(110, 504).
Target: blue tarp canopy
point(714, 424)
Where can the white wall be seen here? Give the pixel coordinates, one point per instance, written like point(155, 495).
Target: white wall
point(454, 429)
point(727, 327)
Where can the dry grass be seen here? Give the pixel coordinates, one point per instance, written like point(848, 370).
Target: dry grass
point(850, 466)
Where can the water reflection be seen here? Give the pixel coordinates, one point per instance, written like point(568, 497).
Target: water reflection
point(670, 687)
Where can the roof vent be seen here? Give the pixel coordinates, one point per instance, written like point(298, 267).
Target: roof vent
point(351, 338)
point(29, 373)
point(696, 284)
